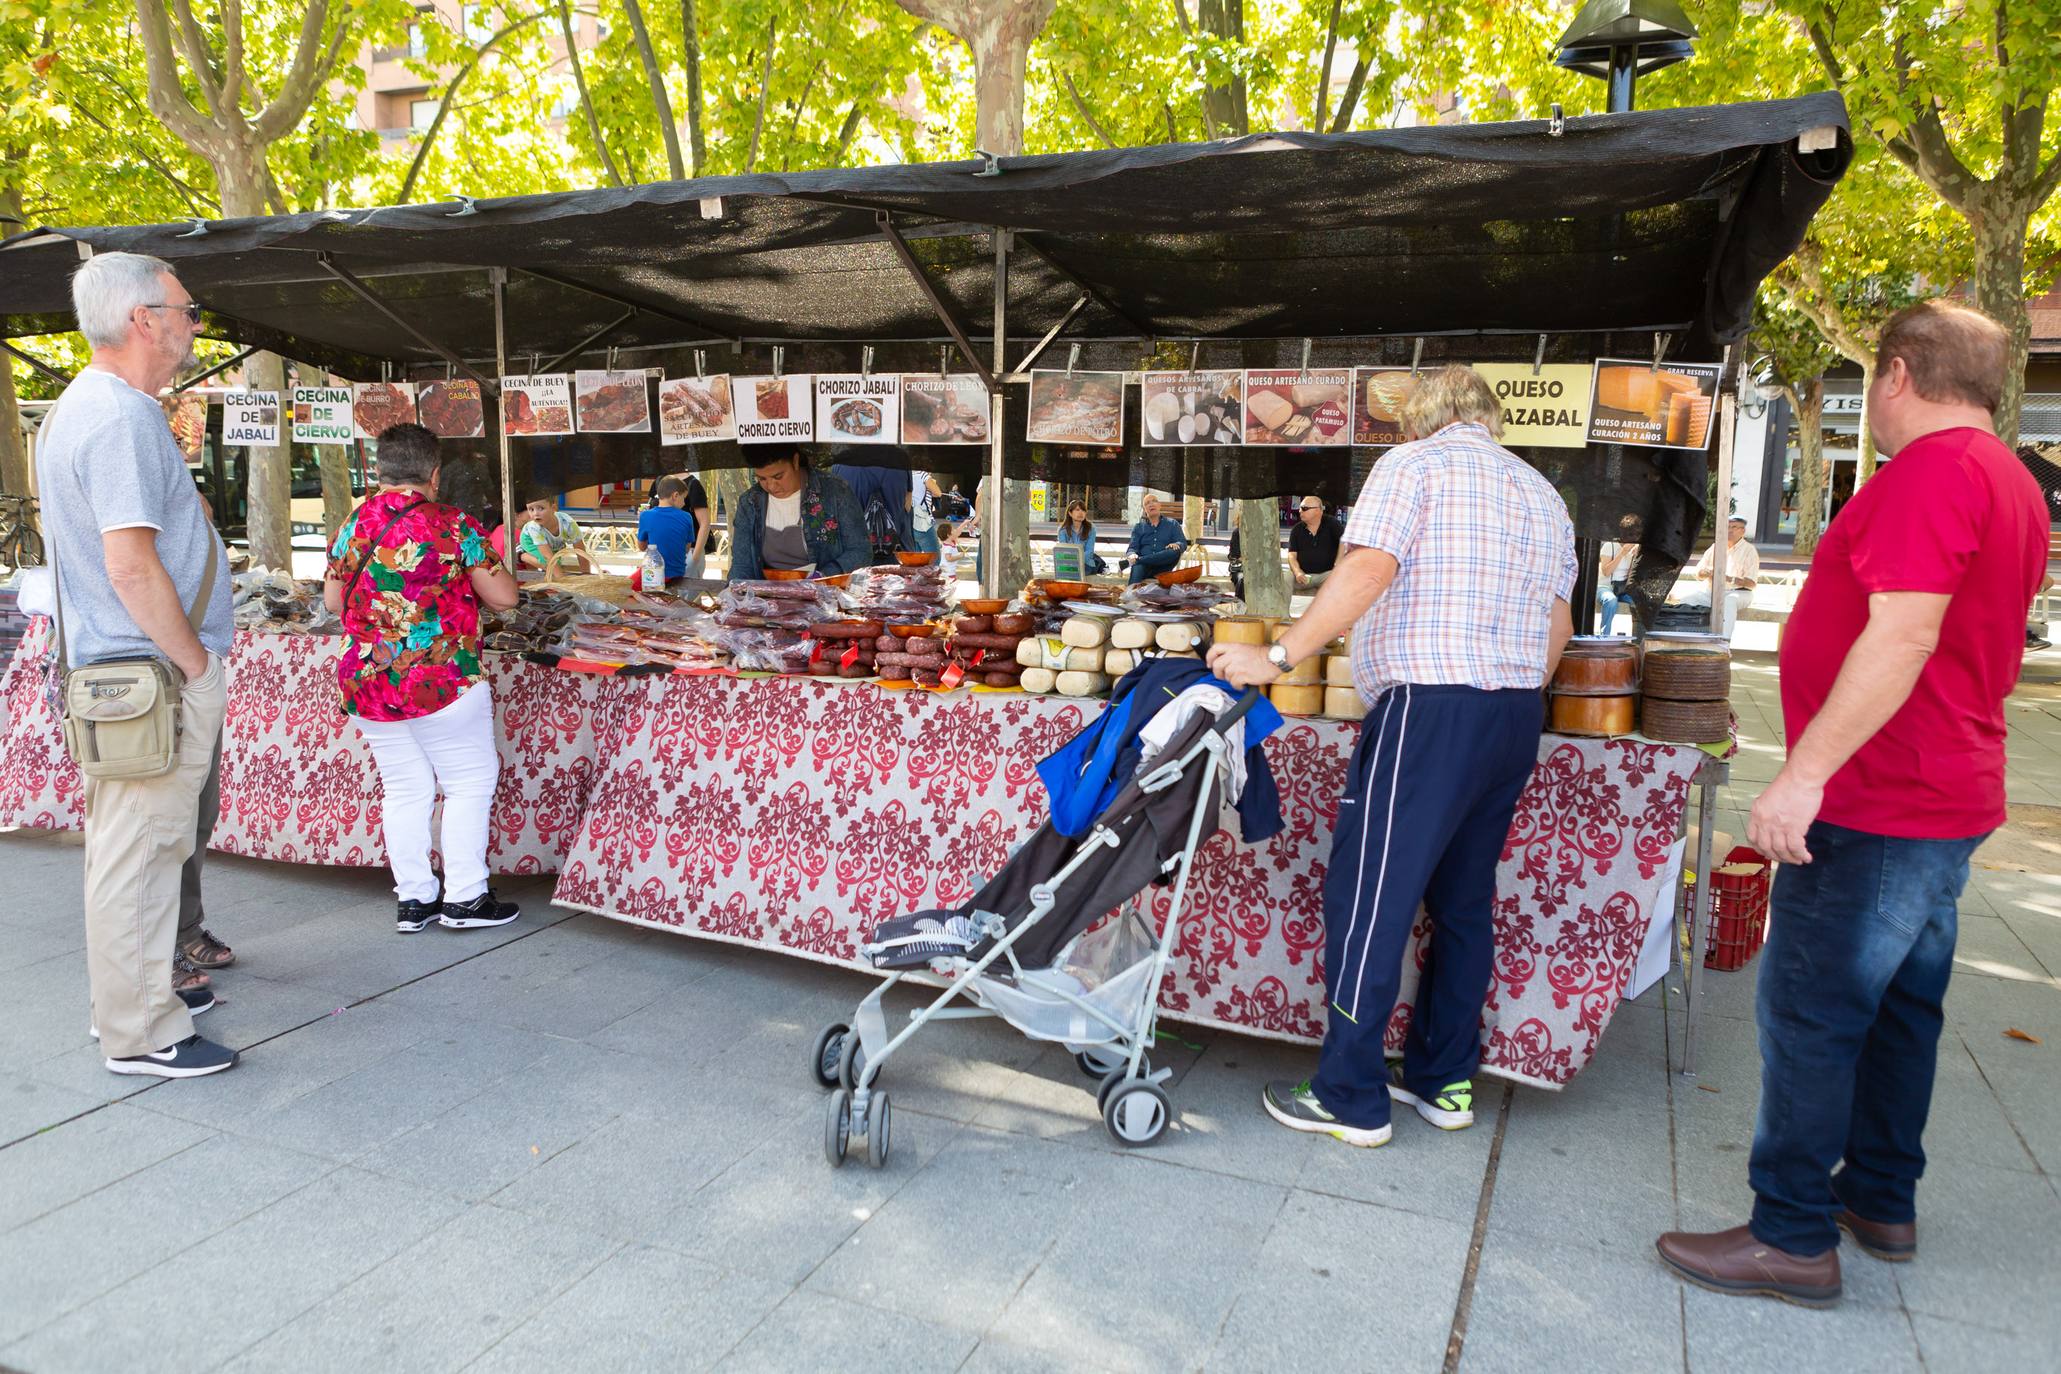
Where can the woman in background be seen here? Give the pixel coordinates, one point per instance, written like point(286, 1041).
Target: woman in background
point(1077, 530)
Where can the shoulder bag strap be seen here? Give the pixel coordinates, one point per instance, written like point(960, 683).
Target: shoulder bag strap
point(351, 583)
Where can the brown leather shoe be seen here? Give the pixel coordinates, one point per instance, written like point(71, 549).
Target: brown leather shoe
point(1896, 1243)
point(1734, 1262)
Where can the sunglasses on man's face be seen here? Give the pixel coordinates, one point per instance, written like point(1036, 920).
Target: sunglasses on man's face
point(191, 310)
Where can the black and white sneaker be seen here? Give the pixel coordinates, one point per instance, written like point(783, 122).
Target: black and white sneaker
point(192, 1057)
point(197, 1000)
point(412, 915)
point(483, 910)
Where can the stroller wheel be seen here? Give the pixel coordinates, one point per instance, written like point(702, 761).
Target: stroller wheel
point(851, 1062)
point(1116, 1076)
point(878, 1123)
point(1101, 1062)
point(1136, 1113)
point(829, 1050)
point(837, 1128)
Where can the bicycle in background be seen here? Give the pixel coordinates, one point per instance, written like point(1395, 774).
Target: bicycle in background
point(21, 546)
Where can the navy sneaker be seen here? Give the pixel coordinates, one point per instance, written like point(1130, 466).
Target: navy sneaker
point(192, 1057)
point(412, 915)
point(483, 910)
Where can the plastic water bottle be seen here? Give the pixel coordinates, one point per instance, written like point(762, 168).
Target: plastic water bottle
point(654, 578)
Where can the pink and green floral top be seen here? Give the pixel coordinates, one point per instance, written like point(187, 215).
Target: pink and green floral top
point(411, 613)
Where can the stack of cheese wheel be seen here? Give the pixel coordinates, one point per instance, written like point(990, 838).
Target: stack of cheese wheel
point(1341, 699)
point(1596, 687)
point(1688, 688)
point(1132, 640)
point(1300, 690)
point(1072, 663)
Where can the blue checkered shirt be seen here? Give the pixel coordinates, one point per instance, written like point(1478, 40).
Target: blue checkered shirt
point(1485, 548)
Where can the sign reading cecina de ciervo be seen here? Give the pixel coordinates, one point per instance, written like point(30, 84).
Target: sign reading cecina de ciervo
point(1547, 408)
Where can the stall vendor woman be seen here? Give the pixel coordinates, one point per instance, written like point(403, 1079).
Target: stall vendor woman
point(797, 518)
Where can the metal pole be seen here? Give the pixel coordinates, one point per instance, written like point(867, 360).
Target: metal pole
point(1720, 589)
point(992, 520)
point(1624, 73)
point(499, 276)
point(1699, 917)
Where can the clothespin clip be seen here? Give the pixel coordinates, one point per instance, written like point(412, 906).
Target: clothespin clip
point(535, 360)
point(1557, 125)
point(779, 359)
point(944, 358)
point(1660, 343)
point(386, 369)
point(701, 364)
point(611, 357)
point(1417, 356)
point(449, 372)
point(1538, 359)
point(1195, 357)
point(1073, 358)
point(866, 361)
point(1305, 355)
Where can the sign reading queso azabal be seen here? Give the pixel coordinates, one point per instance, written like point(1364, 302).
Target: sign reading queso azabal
point(1546, 408)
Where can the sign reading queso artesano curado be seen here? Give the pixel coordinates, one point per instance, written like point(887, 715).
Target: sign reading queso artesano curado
point(1548, 408)
point(322, 415)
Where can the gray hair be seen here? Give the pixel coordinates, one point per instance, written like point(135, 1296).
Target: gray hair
point(1452, 394)
point(107, 289)
point(408, 455)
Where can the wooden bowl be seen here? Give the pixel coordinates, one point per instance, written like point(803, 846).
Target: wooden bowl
point(914, 560)
point(783, 574)
point(1179, 575)
point(984, 605)
point(1064, 591)
point(841, 580)
point(924, 631)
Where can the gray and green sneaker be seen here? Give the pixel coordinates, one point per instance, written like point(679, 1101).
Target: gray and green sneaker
point(1296, 1107)
point(1452, 1109)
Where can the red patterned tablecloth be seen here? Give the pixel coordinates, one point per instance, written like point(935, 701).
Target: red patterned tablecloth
point(794, 813)
point(298, 783)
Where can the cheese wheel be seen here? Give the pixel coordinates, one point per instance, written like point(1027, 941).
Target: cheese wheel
point(1296, 699)
point(1338, 670)
point(1344, 703)
point(1308, 673)
point(1085, 631)
point(1130, 634)
point(1081, 684)
point(1038, 679)
point(1277, 628)
point(1240, 629)
point(1117, 662)
point(1047, 652)
point(1178, 636)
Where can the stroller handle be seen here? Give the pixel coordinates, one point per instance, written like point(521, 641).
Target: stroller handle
point(1238, 711)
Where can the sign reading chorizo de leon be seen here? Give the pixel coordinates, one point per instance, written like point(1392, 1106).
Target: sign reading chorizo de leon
point(1548, 408)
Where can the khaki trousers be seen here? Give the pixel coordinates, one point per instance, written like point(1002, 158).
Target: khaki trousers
point(139, 833)
point(190, 913)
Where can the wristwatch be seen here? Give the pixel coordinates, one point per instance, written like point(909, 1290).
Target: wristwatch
point(1277, 655)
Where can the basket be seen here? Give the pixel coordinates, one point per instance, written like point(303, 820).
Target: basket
point(1738, 910)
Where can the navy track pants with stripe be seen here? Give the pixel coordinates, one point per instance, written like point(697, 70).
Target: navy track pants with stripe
point(1429, 794)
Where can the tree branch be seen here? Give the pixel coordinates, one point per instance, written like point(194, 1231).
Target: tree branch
point(436, 123)
point(758, 125)
point(697, 146)
point(1350, 101)
point(660, 103)
point(572, 57)
point(166, 93)
point(232, 55)
point(1822, 42)
point(199, 57)
point(311, 68)
point(847, 131)
point(1324, 72)
point(1081, 107)
point(1209, 122)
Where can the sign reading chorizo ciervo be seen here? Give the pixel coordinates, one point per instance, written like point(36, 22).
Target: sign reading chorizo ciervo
point(1544, 409)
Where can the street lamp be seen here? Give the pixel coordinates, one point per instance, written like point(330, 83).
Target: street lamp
point(1618, 41)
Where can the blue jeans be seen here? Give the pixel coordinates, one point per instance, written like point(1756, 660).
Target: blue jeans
point(1860, 947)
point(925, 540)
point(1607, 602)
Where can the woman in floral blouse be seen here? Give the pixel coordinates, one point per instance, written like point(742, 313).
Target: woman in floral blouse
point(408, 576)
point(795, 517)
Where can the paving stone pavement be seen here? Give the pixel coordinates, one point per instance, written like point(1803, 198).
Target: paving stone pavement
point(573, 1144)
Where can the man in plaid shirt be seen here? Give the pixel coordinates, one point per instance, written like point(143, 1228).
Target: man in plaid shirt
point(1457, 567)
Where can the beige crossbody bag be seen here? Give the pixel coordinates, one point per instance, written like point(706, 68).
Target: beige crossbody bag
point(121, 715)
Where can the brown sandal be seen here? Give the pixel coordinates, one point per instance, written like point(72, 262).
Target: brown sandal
point(185, 977)
point(204, 951)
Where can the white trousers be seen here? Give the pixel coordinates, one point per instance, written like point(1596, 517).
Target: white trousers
point(1736, 600)
point(452, 750)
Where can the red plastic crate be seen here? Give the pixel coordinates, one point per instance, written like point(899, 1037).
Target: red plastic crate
point(1738, 910)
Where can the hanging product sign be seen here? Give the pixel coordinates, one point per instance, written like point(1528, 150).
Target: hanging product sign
point(695, 410)
point(250, 417)
point(187, 413)
point(858, 408)
point(539, 403)
point(775, 410)
point(1655, 407)
point(1075, 408)
point(1545, 409)
point(1378, 396)
point(452, 409)
point(378, 406)
point(613, 402)
point(1290, 408)
point(322, 415)
point(949, 409)
point(1181, 408)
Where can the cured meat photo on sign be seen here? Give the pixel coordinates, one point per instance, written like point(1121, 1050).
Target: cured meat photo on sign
point(539, 403)
point(694, 410)
point(1076, 408)
point(452, 410)
point(944, 410)
point(613, 402)
point(187, 413)
point(378, 406)
point(859, 417)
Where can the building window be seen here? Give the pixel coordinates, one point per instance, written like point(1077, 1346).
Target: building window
point(421, 112)
point(418, 45)
point(479, 22)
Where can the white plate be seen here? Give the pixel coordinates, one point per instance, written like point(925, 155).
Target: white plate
point(1164, 617)
point(1094, 608)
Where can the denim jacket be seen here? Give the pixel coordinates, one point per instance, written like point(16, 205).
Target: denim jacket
point(831, 520)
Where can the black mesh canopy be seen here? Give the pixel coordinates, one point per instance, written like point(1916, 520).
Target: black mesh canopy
point(1479, 237)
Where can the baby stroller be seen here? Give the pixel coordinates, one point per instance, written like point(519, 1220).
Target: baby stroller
point(1032, 948)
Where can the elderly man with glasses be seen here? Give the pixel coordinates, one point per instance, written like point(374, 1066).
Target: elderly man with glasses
point(1313, 545)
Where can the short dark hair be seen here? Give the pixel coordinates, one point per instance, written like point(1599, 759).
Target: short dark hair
point(798, 457)
point(669, 486)
point(1952, 353)
point(408, 455)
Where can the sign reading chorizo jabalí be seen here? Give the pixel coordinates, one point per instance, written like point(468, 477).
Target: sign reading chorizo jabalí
point(322, 415)
point(1547, 408)
point(858, 408)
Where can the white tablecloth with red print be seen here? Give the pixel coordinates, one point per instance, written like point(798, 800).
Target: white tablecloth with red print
point(793, 814)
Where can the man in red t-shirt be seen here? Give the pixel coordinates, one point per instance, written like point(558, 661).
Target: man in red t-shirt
point(1901, 650)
